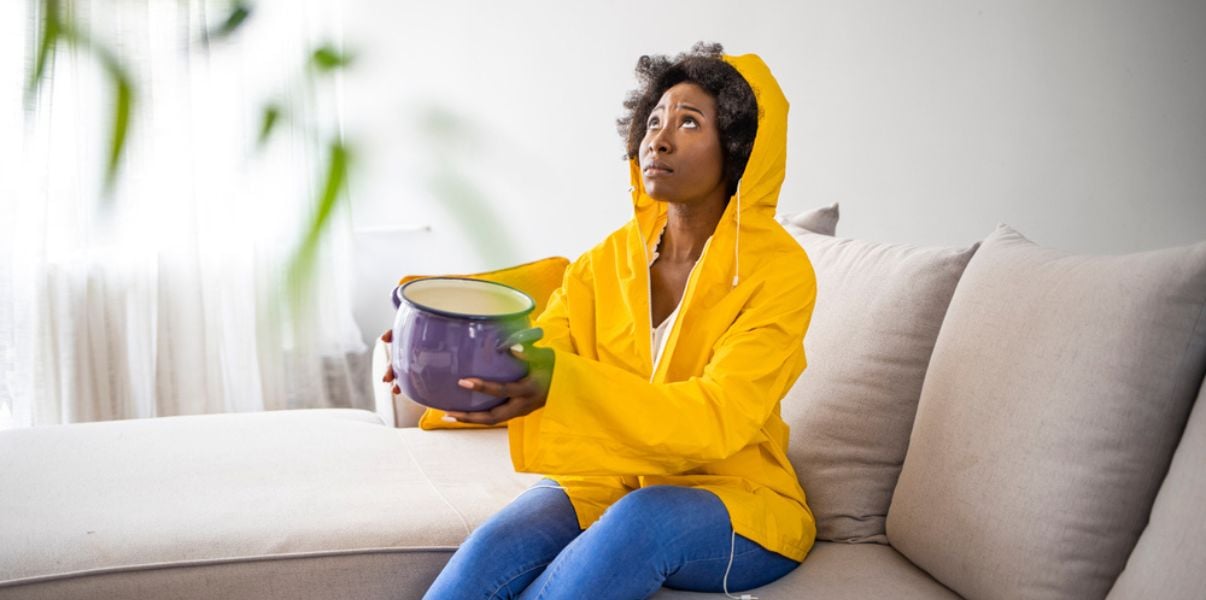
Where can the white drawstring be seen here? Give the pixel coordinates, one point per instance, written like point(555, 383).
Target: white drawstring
point(737, 243)
point(725, 583)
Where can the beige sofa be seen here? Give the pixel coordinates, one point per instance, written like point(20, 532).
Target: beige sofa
point(997, 421)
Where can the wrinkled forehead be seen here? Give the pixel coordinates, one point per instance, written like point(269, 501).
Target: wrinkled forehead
point(686, 95)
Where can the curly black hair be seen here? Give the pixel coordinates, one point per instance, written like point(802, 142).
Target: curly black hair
point(736, 105)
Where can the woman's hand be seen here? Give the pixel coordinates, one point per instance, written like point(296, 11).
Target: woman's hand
point(388, 338)
point(524, 396)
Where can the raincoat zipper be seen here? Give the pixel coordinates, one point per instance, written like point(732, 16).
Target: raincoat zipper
point(649, 301)
point(682, 306)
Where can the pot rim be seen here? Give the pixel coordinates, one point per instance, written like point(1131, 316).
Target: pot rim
point(399, 293)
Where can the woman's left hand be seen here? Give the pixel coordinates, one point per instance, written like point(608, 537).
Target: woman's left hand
point(523, 396)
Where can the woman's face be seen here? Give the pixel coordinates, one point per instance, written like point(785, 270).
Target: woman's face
point(680, 158)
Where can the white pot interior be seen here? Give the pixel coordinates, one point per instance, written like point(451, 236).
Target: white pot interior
point(467, 297)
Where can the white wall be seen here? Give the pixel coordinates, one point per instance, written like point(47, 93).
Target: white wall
point(1081, 123)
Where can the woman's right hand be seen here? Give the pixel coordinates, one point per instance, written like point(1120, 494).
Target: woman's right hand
point(388, 338)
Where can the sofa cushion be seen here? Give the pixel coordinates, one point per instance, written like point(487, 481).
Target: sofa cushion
point(1167, 561)
point(1057, 391)
point(844, 571)
point(878, 311)
point(285, 504)
point(822, 220)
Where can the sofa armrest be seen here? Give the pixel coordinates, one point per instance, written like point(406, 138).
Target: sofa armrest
point(394, 409)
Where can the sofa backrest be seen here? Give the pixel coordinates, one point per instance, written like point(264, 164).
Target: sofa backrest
point(1056, 394)
point(878, 311)
point(1167, 562)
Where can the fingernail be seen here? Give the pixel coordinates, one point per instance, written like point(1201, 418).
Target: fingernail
point(465, 383)
point(397, 390)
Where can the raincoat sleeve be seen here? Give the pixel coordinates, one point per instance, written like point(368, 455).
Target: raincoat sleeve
point(603, 420)
point(555, 318)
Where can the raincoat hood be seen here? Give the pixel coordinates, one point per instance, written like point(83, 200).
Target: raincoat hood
point(758, 188)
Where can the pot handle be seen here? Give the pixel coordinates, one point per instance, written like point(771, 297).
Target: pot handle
point(523, 336)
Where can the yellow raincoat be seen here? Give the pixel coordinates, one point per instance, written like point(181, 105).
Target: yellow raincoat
point(709, 417)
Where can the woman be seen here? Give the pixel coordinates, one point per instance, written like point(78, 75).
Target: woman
point(653, 400)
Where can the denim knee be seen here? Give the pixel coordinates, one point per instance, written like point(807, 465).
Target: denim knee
point(509, 550)
point(646, 513)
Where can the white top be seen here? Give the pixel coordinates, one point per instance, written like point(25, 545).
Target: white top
point(660, 332)
point(659, 336)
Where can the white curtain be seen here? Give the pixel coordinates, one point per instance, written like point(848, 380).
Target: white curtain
point(167, 298)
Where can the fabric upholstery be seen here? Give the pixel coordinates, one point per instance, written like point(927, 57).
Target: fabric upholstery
point(254, 505)
point(1057, 391)
point(843, 572)
point(822, 220)
point(1158, 566)
point(471, 469)
point(879, 308)
point(537, 279)
point(372, 574)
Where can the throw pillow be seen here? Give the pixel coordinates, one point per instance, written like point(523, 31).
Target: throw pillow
point(878, 311)
point(818, 220)
point(538, 279)
point(1057, 391)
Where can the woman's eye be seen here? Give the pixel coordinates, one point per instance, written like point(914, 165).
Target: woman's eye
point(690, 122)
point(653, 124)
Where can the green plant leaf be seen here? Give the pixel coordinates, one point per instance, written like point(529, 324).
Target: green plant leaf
point(123, 99)
point(238, 15)
point(327, 58)
point(337, 172)
point(47, 43)
point(303, 261)
point(123, 105)
point(269, 117)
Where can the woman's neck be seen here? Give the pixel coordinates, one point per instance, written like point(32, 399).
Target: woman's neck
point(687, 230)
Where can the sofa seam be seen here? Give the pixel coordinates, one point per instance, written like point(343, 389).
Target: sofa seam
point(1186, 352)
point(436, 489)
point(219, 561)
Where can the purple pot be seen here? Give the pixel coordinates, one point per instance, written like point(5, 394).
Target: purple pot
point(448, 328)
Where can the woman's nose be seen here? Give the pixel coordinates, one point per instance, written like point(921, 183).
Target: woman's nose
point(660, 142)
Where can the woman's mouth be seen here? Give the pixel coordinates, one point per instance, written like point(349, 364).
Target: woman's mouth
point(657, 170)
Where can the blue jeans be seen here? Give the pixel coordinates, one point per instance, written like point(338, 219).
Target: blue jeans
point(660, 535)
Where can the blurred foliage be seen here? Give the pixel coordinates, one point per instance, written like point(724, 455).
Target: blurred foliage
point(58, 28)
point(48, 39)
point(239, 11)
point(270, 115)
point(123, 106)
point(335, 178)
point(326, 58)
